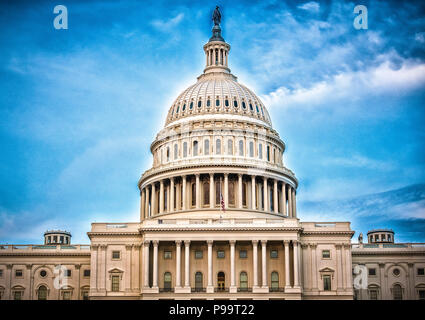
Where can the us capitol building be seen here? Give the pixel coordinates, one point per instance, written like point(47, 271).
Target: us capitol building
point(218, 220)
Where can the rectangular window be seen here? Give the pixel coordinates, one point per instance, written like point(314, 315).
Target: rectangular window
point(66, 295)
point(61, 239)
point(1, 273)
point(373, 294)
point(55, 239)
point(421, 271)
point(198, 254)
point(243, 254)
point(273, 254)
point(372, 272)
point(260, 151)
point(116, 255)
point(115, 283)
point(326, 254)
point(85, 295)
point(68, 273)
point(220, 254)
point(167, 254)
point(327, 283)
point(87, 273)
point(17, 295)
point(421, 294)
point(18, 273)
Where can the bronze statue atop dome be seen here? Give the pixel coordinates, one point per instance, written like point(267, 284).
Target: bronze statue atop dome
point(216, 16)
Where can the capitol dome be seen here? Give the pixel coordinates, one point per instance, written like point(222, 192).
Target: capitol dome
point(217, 151)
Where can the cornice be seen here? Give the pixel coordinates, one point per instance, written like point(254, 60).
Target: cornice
point(342, 233)
point(379, 252)
point(237, 229)
point(36, 254)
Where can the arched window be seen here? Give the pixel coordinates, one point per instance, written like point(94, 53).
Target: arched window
point(241, 148)
point(226, 102)
point(168, 154)
point(195, 148)
point(274, 281)
point(217, 192)
point(250, 107)
point(191, 105)
point(260, 151)
point(178, 107)
point(42, 293)
point(199, 103)
point(230, 147)
point(217, 102)
point(243, 105)
point(256, 107)
point(206, 187)
point(199, 281)
point(184, 107)
point(184, 149)
point(397, 292)
point(206, 147)
point(268, 153)
point(235, 103)
point(175, 151)
point(193, 194)
point(244, 194)
point(208, 103)
point(251, 149)
point(231, 193)
point(243, 281)
point(167, 281)
point(218, 146)
point(221, 281)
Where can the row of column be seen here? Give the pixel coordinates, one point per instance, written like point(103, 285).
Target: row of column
point(149, 202)
point(264, 281)
point(211, 58)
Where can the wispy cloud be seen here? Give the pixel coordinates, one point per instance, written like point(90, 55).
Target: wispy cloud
point(167, 25)
point(310, 6)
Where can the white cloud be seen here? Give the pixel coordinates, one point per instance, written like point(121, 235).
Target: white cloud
point(359, 161)
point(351, 85)
point(165, 25)
point(310, 6)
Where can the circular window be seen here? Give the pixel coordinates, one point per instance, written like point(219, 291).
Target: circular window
point(43, 273)
point(396, 272)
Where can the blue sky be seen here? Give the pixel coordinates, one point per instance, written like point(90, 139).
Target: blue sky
point(80, 107)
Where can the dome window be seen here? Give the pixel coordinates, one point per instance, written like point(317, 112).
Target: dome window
point(184, 107)
point(191, 105)
point(250, 107)
point(262, 112)
point(217, 102)
point(243, 105)
point(199, 103)
point(178, 107)
point(208, 103)
point(256, 107)
point(235, 103)
point(226, 102)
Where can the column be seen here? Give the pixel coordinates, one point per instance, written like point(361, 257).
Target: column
point(287, 274)
point(172, 195)
point(147, 202)
point(212, 191)
point(339, 270)
point(296, 271)
point(314, 266)
point(142, 204)
point(153, 201)
point(255, 262)
point(348, 267)
point(128, 260)
point(284, 198)
point(93, 266)
point(264, 262)
point(232, 266)
point(186, 263)
point(382, 281)
point(178, 196)
point(266, 205)
point(197, 192)
point(103, 275)
point(184, 192)
point(210, 267)
point(155, 264)
point(168, 198)
point(146, 263)
point(178, 263)
point(294, 204)
point(226, 190)
point(289, 201)
point(136, 269)
point(161, 196)
point(240, 191)
point(275, 202)
point(253, 205)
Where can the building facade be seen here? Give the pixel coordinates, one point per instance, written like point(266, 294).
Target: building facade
point(218, 217)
